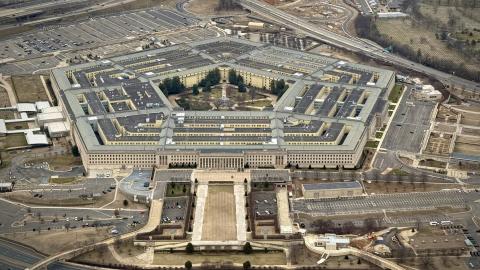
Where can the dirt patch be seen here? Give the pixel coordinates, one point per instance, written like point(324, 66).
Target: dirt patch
point(29, 88)
point(64, 240)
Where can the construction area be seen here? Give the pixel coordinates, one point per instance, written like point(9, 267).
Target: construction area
point(453, 141)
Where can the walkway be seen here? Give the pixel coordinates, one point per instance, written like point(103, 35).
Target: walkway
point(202, 191)
point(11, 95)
point(239, 191)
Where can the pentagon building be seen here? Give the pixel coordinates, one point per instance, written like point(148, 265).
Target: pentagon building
point(120, 118)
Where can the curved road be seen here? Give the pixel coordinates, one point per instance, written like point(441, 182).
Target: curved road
point(16, 256)
point(350, 44)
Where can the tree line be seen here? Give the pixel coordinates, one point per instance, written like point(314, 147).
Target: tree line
point(278, 87)
point(171, 86)
point(236, 79)
point(366, 28)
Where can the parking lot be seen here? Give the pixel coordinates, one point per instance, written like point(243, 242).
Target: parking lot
point(409, 125)
point(174, 210)
point(380, 202)
point(173, 175)
point(264, 203)
point(16, 218)
point(95, 31)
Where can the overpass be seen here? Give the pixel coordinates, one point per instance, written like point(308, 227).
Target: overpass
point(383, 263)
point(153, 222)
point(352, 44)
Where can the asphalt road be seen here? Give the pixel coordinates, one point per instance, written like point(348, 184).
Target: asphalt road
point(352, 44)
point(16, 256)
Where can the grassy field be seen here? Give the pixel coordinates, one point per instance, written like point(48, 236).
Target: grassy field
point(29, 88)
point(7, 115)
point(204, 100)
point(395, 94)
point(260, 258)
point(418, 38)
point(174, 190)
point(63, 162)
point(18, 125)
point(220, 206)
point(372, 144)
point(13, 140)
point(442, 13)
point(63, 240)
point(62, 180)
point(399, 172)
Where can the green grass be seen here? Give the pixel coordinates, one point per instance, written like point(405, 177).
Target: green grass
point(391, 107)
point(372, 144)
point(399, 172)
point(62, 180)
point(390, 113)
point(396, 93)
point(378, 135)
point(175, 190)
point(383, 128)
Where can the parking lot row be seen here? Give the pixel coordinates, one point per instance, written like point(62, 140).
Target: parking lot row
point(92, 32)
point(405, 201)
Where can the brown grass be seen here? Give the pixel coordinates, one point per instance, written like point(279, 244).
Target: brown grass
point(277, 258)
point(402, 31)
point(29, 88)
point(64, 162)
point(63, 240)
point(219, 217)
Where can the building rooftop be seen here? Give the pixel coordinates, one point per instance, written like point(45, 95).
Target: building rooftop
point(117, 104)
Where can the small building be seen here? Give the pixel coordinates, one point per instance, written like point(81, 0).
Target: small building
point(41, 105)
point(26, 107)
point(332, 190)
point(57, 129)
point(52, 109)
point(44, 118)
point(426, 92)
point(393, 14)
point(256, 25)
point(3, 128)
point(438, 244)
point(6, 187)
point(36, 139)
point(332, 241)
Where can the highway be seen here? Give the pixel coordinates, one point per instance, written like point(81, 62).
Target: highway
point(14, 255)
point(351, 44)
